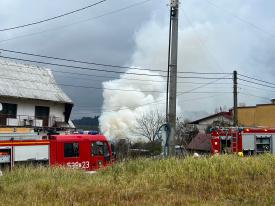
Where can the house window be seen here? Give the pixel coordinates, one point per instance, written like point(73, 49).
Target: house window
point(9, 110)
point(42, 113)
point(71, 149)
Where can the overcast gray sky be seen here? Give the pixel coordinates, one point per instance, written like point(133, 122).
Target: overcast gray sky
point(220, 36)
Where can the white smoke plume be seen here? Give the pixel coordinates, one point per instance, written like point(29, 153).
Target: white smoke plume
point(121, 108)
point(204, 46)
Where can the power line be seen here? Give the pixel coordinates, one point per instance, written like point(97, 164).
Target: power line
point(252, 87)
point(78, 22)
point(142, 80)
point(103, 70)
point(252, 82)
point(77, 61)
point(93, 87)
point(133, 79)
point(69, 85)
point(196, 83)
point(104, 65)
point(186, 100)
point(79, 67)
point(52, 18)
point(99, 108)
point(259, 80)
point(157, 102)
point(113, 77)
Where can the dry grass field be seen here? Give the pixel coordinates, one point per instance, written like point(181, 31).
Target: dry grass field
point(224, 180)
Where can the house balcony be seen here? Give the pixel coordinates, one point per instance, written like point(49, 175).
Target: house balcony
point(30, 121)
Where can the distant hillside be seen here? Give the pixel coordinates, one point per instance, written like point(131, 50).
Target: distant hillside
point(87, 123)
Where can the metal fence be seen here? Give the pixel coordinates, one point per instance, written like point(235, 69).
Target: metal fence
point(29, 121)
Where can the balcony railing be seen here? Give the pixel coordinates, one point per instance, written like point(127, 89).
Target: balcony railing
point(29, 121)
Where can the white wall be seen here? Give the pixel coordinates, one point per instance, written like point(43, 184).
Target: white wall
point(57, 110)
point(27, 107)
point(204, 123)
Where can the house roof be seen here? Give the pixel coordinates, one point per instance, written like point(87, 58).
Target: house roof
point(29, 82)
point(227, 115)
point(200, 142)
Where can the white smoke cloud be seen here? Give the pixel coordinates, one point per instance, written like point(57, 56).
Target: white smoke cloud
point(204, 46)
point(121, 108)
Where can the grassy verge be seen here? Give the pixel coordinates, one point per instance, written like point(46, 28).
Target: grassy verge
point(225, 180)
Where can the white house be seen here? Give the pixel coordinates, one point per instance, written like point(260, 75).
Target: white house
point(30, 96)
point(225, 118)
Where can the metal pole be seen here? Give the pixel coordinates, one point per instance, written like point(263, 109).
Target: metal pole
point(235, 94)
point(173, 75)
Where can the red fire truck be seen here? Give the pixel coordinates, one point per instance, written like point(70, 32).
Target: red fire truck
point(89, 152)
point(247, 140)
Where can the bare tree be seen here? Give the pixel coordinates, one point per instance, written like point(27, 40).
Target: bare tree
point(148, 124)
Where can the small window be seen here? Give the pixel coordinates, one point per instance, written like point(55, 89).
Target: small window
point(71, 149)
point(99, 148)
point(9, 110)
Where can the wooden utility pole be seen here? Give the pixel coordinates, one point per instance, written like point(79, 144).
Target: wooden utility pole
point(235, 96)
point(173, 57)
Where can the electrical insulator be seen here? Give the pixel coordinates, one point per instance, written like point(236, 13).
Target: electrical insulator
point(174, 3)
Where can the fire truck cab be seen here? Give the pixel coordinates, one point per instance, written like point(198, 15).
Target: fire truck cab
point(89, 152)
point(249, 141)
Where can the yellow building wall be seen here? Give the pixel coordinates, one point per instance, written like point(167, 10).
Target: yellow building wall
point(265, 115)
point(259, 116)
point(246, 116)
